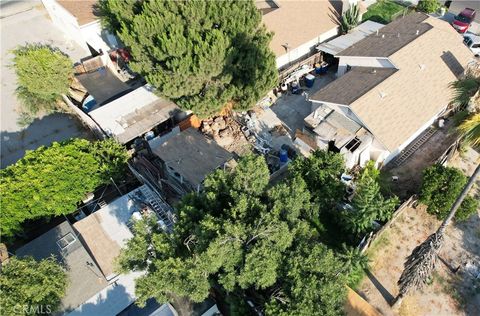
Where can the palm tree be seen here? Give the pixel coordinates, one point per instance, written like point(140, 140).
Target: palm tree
point(470, 130)
point(421, 262)
point(466, 88)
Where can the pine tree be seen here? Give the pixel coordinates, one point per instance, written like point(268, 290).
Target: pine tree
point(200, 54)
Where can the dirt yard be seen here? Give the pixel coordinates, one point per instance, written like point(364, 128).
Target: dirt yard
point(410, 172)
point(448, 293)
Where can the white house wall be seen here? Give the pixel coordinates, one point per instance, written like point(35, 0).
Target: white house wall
point(412, 138)
point(306, 48)
point(65, 21)
point(362, 62)
point(92, 34)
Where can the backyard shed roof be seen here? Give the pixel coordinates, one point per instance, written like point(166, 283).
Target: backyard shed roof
point(298, 22)
point(83, 10)
point(134, 114)
point(341, 43)
point(391, 37)
point(192, 155)
point(352, 85)
point(85, 279)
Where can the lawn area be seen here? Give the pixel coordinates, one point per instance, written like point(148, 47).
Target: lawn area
point(383, 11)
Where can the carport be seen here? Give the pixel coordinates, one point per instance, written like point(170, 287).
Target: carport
point(332, 48)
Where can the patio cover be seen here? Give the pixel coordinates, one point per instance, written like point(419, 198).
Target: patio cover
point(340, 43)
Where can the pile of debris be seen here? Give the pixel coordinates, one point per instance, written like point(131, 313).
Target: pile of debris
point(226, 132)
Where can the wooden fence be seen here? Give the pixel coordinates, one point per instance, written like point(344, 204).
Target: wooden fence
point(85, 119)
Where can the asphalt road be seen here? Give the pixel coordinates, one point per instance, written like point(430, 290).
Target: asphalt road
point(458, 5)
point(24, 22)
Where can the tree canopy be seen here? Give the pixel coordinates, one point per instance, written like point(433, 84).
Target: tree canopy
point(200, 54)
point(240, 236)
point(440, 188)
point(50, 181)
point(29, 287)
point(43, 75)
point(368, 203)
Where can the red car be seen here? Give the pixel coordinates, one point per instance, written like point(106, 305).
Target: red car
point(462, 21)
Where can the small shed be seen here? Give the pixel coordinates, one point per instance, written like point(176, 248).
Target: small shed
point(134, 114)
point(189, 157)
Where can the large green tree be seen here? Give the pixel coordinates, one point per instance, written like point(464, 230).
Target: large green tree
point(29, 287)
point(440, 188)
point(200, 54)
point(43, 75)
point(368, 204)
point(50, 181)
point(240, 236)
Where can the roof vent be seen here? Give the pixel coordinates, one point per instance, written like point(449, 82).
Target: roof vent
point(383, 94)
point(422, 66)
point(417, 32)
point(373, 71)
point(398, 34)
point(383, 35)
point(377, 32)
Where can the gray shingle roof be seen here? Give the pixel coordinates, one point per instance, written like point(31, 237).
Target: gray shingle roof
point(352, 85)
point(85, 279)
point(390, 38)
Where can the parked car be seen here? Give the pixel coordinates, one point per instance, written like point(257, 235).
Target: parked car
point(473, 42)
point(463, 20)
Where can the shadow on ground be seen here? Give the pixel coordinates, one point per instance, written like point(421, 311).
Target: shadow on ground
point(41, 132)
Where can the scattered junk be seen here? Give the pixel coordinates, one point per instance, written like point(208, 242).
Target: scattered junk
point(227, 132)
point(151, 203)
point(294, 78)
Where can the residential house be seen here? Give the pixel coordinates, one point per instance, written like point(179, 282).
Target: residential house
point(188, 157)
point(298, 26)
point(104, 233)
point(79, 20)
point(85, 279)
point(393, 85)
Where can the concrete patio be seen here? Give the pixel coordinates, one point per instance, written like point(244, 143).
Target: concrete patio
point(293, 108)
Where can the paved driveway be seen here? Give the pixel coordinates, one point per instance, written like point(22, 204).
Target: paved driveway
point(20, 23)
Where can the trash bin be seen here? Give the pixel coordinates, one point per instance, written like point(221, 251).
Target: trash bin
point(309, 80)
point(295, 88)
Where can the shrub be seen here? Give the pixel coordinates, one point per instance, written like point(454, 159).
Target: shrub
point(468, 207)
point(440, 188)
point(428, 6)
point(43, 75)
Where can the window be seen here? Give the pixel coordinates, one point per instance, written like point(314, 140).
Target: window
point(476, 45)
point(66, 241)
point(353, 144)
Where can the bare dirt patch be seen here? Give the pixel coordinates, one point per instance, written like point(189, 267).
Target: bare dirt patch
point(448, 293)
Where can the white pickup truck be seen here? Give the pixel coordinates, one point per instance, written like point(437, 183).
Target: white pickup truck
point(472, 42)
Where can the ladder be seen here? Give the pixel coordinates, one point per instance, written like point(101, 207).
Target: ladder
point(416, 145)
point(163, 210)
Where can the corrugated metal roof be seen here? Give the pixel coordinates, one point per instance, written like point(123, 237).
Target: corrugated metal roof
point(341, 43)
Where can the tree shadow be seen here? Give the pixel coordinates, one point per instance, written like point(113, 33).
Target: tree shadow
point(389, 298)
point(42, 131)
